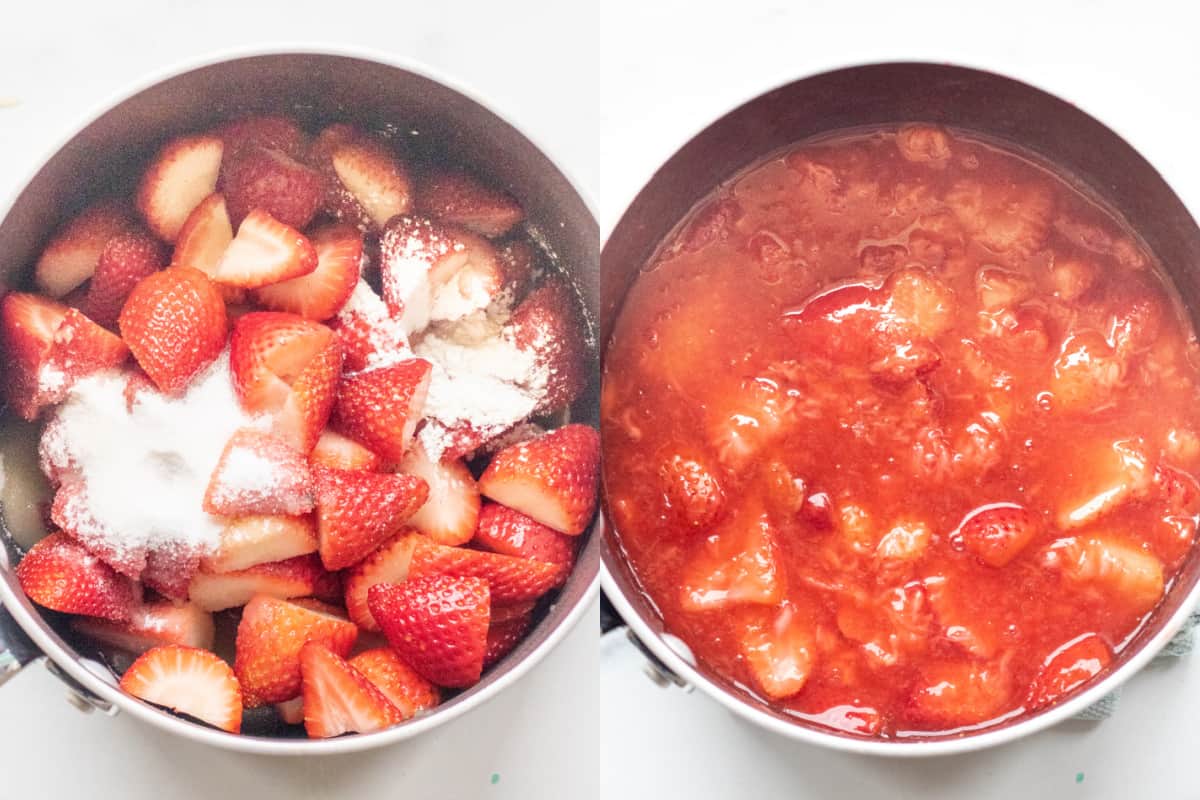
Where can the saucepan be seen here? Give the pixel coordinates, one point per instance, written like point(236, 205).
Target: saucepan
point(369, 90)
point(878, 94)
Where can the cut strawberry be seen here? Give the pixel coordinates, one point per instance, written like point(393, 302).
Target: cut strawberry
point(504, 636)
point(310, 402)
point(518, 267)
point(174, 323)
point(503, 530)
point(150, 625)
point(357, 511)
point(265, 251)
point(952, 694)
point(268, 351)
point(1125, 571)
point(549, 325)
point(1067, 668)
point(452, 512)
point(295, 577)
point(371, 334)
point(737, 566)
point(71, 510)
point(268, 180)
point(291, 711)
point(399, 683)
point(338, 698)
point(170, 569)
point(126, 260)
point(436, 624)
point(510, 579)
point(692, 490)
point(270, 637)
point(182, 174)
point(341, 452)
point(1087, 374)
point(388, 564)
point(259, 474)
point(376, 182)
point(553, 479)
point(780, 649)
point(997, 533)
point(204, 237)
point(59, 574)
point(73, 253)
point(277, 132)
point(462, 199)
point(322, 293)
point(261, 539)
point(1103, 477)
point(189, 681)
point(381, 407)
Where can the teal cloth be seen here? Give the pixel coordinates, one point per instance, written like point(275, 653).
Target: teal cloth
point(1180, 645)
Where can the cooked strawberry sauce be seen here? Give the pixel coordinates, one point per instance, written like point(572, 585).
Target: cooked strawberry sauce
point(899, 433)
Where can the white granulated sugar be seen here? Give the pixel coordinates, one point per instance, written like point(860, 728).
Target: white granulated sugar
point(51, 379)
point(387, 335)
point(246, 474)
point(145, 470)
point(469, 290)
point(407, 257)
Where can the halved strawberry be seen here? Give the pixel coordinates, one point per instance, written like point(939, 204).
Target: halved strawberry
point(399, 683)
point(462, 199)
point(274, 131)
point(126, 260)
point(190, 681)
point(503, 636)
point(381, 407)
point(308, 406)
point(553, 479)
point(182, 174)
point(780, 649)
point(504, 530)
point(374, 178)
point(71, 256)
point(261, 539)
point(388, 564)
point(510, 579)
point(269, 638)
point(268, 180)
point(549, 325)
point(518, 267)
point(737, 566)
point(152, 624)
point(204, 237)
point(437, 624)
point(174, 323)
point(170, 569)
point(959, 693)
point(997, 533)
point(322, 293)
point(693, 491)
point(71, 510)
point(295, 577)
point(59, 574)
point(371, 334)
point(451, 514)
point(292, 711)
point(338, 698)
point(1066, 669)
point(341, 452)
point(357, 511)
point(259, 474)
point(265, 251)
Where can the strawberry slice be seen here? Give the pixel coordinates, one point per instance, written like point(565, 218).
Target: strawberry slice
point(553, 479)
point(322, 293)
point(292, 711)
point(59, 574)
point(375, 183)
point(71, 510)
point(259, 474)
point(437, 624)
point(511, 533)
point(736, 566)
point(268, 180)
point(189, 681)
point(1066, 669)
point(399, 683)
point(74, 251)
point(510, 579)
point(170, 569)
point(338, 698)
point(381, 407)
point(371, 334)
point(1088, 374)
point(260, 539)
point(204, 237)
point(780, 649)
point(357, 511)
point(694, 493)
point(503, 637)
point(274, 131)
point(296, 577)
point(549, 324)
point(125, 261)
point(462, 199)
point(341, 452)
point(452, 512)
point(959, 693)
point(997, 533)
point(263, 252)
point(270, 637)
point(150, 625)
point(310, 402)
point(174, 323)
point(182, 174)
point(388, 564)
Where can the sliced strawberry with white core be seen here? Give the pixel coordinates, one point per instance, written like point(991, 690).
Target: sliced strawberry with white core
point(259, 474)
point(399, 682)
point(388, 564)
point(374, 177)
point(372, 335)
point(737, 566)
point(780, 650)
point(182, 174)
point(204, 237)
point(265, 251)
point(73, 253)
point(295, 577)
point(338, 698)
point(381, 407)
point(450, 514)
point(260, 539)
point(322, 293)
point(190, 681)
point(341, 452)
point(511, 579)
point(462, 199)
point(150, 625)
point(267, 351)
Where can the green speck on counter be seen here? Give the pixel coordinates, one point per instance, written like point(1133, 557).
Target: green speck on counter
point(496, 777)
point(1078, 777)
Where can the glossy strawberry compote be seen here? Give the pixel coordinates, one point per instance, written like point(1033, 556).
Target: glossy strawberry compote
point(900, 434)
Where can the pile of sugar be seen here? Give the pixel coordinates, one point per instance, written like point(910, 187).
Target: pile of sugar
point(146, 468)
point(387, 335)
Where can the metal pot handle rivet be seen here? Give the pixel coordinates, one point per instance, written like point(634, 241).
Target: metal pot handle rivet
point(78, 696)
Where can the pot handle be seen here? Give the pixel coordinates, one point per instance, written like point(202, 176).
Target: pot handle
point(658, 672)
point(16, 648)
